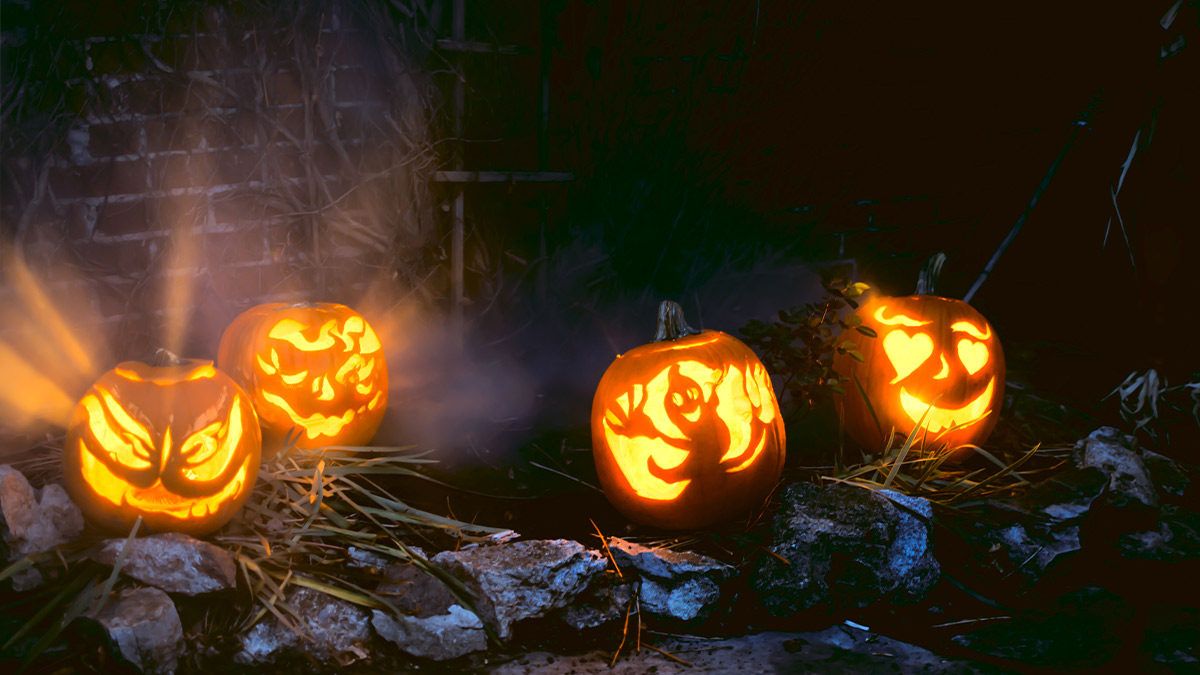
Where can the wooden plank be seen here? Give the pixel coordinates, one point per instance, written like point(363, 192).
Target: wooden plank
point(503, 176)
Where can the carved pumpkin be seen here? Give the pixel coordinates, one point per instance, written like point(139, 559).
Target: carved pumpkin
point(177, 444)
point(315, 367)
point(935, 358)
point(686, 430)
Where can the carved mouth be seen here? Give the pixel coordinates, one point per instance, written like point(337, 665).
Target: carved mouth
point(937, 419)
point(156, 499)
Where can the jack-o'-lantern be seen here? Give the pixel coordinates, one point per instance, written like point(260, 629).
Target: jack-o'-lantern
point(176, 443)
point(317, 368)
point(686, 431)
point(936, 361)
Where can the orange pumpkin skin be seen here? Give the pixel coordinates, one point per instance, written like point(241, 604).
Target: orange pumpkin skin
point(686, 432)
point(929, 351)
point(177, 445)
point(316, 367)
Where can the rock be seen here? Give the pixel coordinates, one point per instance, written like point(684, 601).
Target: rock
point(1165, 473)
point(176, 563)
point(523, 580)
point(33, 524)
point(600, 604)
point(1177, 537)
point(1058, 506)
point(336, 631)
point(1082, 630)
point(431, 623)
point(678, 585)
point(363, 558)
point(839, 650)
point(1112, 452)
point(445, 636)
point(846, 546)
point(1031, 555)
point(145, 627)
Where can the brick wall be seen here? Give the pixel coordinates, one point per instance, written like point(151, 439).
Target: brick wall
point(263, 156)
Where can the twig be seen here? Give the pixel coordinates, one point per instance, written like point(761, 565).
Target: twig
point(669, 655)
point(567, 475)
point(604, 543)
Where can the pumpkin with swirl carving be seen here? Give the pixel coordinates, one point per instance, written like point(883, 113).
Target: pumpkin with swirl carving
point(686, 430)
point(176, 443)
point(315, 370)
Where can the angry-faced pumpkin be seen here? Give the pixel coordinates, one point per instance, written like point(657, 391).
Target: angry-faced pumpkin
point(935, 361)
point(686, 430)
point(177, 444)
point(317, 368)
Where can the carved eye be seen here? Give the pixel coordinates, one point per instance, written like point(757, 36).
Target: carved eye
point(905, 353)
point(317, 368)
point(121, 436)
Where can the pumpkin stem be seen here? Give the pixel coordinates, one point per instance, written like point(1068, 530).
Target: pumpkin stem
point(929, 274)
point(164, 358)
point(671, 324)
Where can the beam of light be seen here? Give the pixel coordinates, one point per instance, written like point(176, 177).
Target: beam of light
point(29, 395)
point(55, 332)
point(179, 287)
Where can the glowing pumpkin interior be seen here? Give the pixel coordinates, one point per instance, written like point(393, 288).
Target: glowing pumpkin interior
point(177, 445)
point(317, 368)
point(686, 430)
point(936, 365)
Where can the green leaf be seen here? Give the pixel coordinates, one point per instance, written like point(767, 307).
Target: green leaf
point(847, 344)
point(866, 330)
point(837, 389)
point(852, 320)
point(857, 356)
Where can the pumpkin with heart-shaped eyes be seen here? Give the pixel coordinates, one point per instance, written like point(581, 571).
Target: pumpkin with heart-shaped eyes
point(176, 442)
point(935, 361)
point(314, 367)
point(686, 431)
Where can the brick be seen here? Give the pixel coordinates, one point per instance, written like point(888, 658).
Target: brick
point(232, 208)
point(121, 257)
point(284, 88)
point(165, 134)
point(245, 245)
point(242, 282)
point(118, 138)
point(123, 218)
point(178, 210)
point(356, 84)
point(174, 172)
point(239, 166)
point(99, 180)
point(180, 95)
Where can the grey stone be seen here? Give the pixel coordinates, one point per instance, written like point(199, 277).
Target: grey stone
point(839, 650)
point(679, 585)
point(34, 523)
point(1165, 473)
point(334, 631)
point(602, 603)
point(523, 580)
point(455, 633)
point(1112, 452)
point(431, 623)
point(846, 546)
point(1031, 555)
point(145, 626)
point(174, 562)
point(1176, 538)
point(364, 558)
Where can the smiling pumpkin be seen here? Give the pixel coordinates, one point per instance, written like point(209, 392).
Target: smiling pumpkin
point(936, 363)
